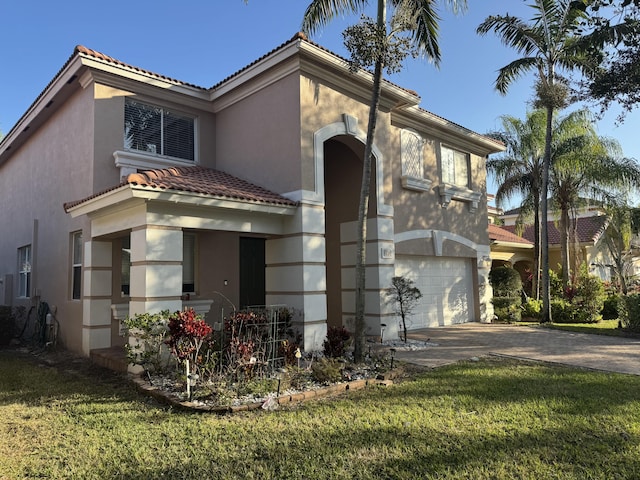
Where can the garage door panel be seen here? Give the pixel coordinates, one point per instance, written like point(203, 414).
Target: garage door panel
point(447, 288)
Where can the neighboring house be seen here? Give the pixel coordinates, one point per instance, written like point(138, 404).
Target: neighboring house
point(590, 225)
point(124, 191)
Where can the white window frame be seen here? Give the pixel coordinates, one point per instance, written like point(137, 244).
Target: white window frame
point(151, 149)
point(76, 265)
point(453, 187)
point(24, 271)
point(451, 161)
point(412, 158)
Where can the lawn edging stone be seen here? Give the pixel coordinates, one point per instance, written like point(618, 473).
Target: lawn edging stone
point(143, 386)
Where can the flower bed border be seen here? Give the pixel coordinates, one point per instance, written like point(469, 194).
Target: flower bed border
point(382, 380)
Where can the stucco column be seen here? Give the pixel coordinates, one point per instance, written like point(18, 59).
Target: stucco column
point(156, 269)
point(380, 257)
point(96, 303)
point(295, 274)
point(485, 292)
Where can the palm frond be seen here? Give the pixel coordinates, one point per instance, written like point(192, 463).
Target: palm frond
point(320, 12)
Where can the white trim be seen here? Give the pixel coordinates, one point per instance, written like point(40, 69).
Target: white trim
point(450, 192)
point(129, 192)
point(130, 162)
point(414, 183)
point(348, 126)
point(438, 237)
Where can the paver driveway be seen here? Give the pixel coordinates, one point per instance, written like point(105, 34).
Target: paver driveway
point(461, 342)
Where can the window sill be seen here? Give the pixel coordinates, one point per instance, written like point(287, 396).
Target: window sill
point(450, 192)
point(415, 183)
point(130, 162)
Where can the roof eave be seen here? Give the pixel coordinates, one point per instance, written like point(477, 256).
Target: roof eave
point(129, 192)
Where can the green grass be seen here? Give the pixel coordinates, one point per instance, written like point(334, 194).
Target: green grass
point(603, 327)
point(493, 419)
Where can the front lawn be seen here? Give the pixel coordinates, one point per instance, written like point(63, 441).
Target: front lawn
point(603, 327)
point(493, 419)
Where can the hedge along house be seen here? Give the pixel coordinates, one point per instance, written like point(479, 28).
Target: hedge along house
point(241, 194)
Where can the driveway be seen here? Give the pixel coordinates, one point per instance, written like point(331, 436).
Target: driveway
point(462, 342)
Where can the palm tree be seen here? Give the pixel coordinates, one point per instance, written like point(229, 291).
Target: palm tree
point(617, 237)
point(549, 45)
point(518, 172)
point(421, 23)
point(585, 165)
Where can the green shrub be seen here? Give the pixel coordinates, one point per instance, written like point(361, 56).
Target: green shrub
point(507, 287)
point(337, 341)
point(147, 332)
point(532, 308)
point(562, 311)
point(507, 309)
point(610, 309)
point(505, 282)
point(555, 284)
point(630, 312)
point(327, 370)
point(589, 298)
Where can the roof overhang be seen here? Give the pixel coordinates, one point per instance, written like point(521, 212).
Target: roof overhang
point(133, 194)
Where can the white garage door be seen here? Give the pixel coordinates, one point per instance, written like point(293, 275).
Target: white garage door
point(446, 285)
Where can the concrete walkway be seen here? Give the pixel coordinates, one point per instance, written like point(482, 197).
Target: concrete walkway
point(461, 342)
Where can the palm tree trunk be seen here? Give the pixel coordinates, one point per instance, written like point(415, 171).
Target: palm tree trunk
point(535, 284)
point(564, 245)
point(544, 235)
point(359, 333)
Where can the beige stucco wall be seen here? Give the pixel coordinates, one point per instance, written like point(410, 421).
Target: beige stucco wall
point(323, 104)
point(53, 167)
point(423, 210)
point(257, 138)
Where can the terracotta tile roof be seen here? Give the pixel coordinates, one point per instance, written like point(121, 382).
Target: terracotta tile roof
point(199, 180)
point(502, 234)
point(588, 230)
point(105, 58)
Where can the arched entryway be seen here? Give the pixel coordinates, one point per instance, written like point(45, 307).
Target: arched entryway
point(343, 156)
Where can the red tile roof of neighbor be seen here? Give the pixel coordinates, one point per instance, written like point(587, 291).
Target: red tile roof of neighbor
point(199, 180)
point(588, 230)
point(501, 234)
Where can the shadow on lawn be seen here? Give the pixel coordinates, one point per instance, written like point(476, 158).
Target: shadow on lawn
point(458, 421)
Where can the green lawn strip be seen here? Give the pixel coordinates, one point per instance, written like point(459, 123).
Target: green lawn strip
point(603, 327)
point(497, 418)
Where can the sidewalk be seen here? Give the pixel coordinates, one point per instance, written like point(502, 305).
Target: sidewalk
point(461, 342)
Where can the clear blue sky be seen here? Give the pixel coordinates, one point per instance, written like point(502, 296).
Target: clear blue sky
point(203, 42)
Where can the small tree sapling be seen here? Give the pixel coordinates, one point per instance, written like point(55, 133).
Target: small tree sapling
point(404, 296)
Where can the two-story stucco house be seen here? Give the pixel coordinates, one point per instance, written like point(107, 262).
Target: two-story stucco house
point(125, 191)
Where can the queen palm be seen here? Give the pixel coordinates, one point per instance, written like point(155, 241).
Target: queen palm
point(518, 172)
point(584, 165)
point(418, 21)
point(549, 45)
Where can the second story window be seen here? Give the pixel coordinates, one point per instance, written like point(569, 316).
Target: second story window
point(158, 131)
point(455, 167)
point(411, 153)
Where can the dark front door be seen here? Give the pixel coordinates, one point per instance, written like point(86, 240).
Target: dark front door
point(252, 290)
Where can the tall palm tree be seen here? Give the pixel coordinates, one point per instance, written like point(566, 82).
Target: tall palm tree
point(422, 20)
point(549, 45)
point(518, 172)
point(584, 165)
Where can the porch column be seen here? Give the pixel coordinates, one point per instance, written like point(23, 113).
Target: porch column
point(380, 259)
point(296, 276)
point(485, 292)
point(96, 300)
point(156, 269)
